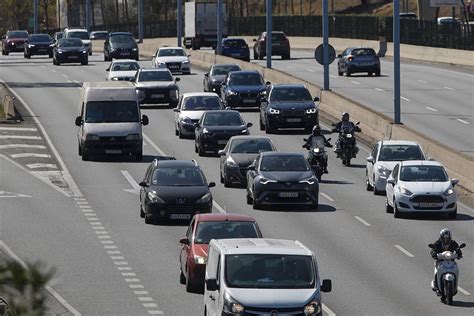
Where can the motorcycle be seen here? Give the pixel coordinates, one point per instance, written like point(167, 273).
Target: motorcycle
point(316, 155)
point(447, 275)
point(347, 142)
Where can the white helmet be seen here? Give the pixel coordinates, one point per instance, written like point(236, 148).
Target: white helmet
point(445, 235)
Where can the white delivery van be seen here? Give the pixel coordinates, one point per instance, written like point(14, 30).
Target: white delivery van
point(262, 277)
point(109, 120)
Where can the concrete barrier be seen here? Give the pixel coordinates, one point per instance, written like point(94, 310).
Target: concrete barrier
point(7, 101)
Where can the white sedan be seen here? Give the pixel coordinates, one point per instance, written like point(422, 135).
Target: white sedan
point(122, 69)
point(173, 58)
point(420, 186)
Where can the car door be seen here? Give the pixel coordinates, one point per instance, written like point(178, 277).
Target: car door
point(223, 158)
point(147, 180)
point(390, 188)
point(251, 174)
point(187, 249)
point(370, 165)
point(264, 105)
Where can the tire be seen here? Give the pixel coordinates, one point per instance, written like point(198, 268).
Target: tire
point(249, 198)
point(453, 215)
point(255, 55)
point(221, 177)
point(79, 150)
point(388, 207)
point(339, 73)
point(195, 147)
point(201, 151)
point(369, 74)
point(377, 192)
point(85, 63)
point(227, 184)
point(85, 155)
point(449, 293)
point(348, 72)
point(269, 129)
point(139, 156)
point(190, 287)
point(348, 157)
point(255, 204)
point(142, 214)
point(368, 187)
point(148, 219)
point(286, 56)
point(50, 55)
point(90, 53)
point(377, 73)
point(396, 212)
point(7, 52)
point(182, 278)
point(178, 132)
point(262, 126)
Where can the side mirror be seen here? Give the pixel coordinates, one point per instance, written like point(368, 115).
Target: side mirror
point(211, 285)
point(177, 79)
point(339, 55)
point(184, 241)
point(206, 74)
point(176, 110)
point(391, 181)
point(251, 167)
point(462, 245)
point(143, 184)
point(249, 124)
point(78, 121)
point(211, 184)
point(221, 152)
point(433, 246)
point(145, 120)
point(268, 83)
point(305, 139)
point(196, 124)
point(329, 139)
point(108, 69)
point(254, 40)
point(326, 286)
point(454, 181)
point(316, 99)
point(357, 123)
point(370, 159)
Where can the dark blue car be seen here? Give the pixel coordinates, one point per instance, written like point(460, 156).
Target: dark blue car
point(243, 89)
point(236, 48)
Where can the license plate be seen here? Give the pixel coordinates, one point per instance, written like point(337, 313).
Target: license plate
point(429, 204)
point(157, 96)
point(293, 120)
point(124, 54)
point(42, 50)
point(235, 55)
point(288, 194)
point(275, 44)
point(174, 67)
point(73, 57)
point(249, 101)
point(180, 216)
point(222, 142)
point(113, 151)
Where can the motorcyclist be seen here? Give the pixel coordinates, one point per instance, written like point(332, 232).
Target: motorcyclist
point(311, 143)
point(337, 129)
point(444, 243)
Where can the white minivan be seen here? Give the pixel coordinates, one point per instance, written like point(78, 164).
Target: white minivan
point(109, 120)
point(262, 277)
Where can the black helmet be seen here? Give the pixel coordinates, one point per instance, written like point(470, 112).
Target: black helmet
point(316, 130)
point(445, 236)
point(345, 117)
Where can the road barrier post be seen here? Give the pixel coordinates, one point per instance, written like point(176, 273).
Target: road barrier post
point(179, 21)
point(219, 27)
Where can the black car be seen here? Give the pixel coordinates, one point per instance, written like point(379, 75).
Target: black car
point(277, 178)
point(38, 44)
point(174, 190)
point(288, 106)
point(236, 48)
point(120, 45)
point(360, 59)
point(157, 86)
point(13, 41)
point(214, 78)
point(215, 128)
point(238, 154)
point(70, 50)
point(99, 35)
point(243, 89)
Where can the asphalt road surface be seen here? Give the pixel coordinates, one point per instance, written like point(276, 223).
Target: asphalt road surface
point(110, 263)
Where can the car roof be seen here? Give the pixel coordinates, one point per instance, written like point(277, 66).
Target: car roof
point(199, 94)
point(221, 111)
point(214, 65)
point(261, 246)
point(361, 47)
point(95, 32)
point(117, 61)
point(250, 137)
point(176, 163)
point(76, 30)
point(233, 38)
point(238, 72)
point(292, 85)
point(120, 33)
point(398, 142)
point(154, 69)
point(171, 47)
point(408, 163)
point(218, 217)
point(279, 153)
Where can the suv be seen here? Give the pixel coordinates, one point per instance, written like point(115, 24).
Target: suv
point(120, 45)
point(83, 34)
point(174, 190)
point(243, 89)
point(13, 41)
point(280, 46)
point(173, 58)
point(362, 59)
point(262, 277)
point(157, 86)
point(38, 44)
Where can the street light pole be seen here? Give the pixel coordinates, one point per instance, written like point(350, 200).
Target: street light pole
point(219, 27)
point(179, 21)
point(141, 18)
point(88, 15)
point(396, 61)
point(35, 17)
point(326, 45)
point(268, 37)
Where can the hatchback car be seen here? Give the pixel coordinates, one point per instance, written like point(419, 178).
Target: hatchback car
point(174, 190)
point(122, 69)
point(235, 48)
point(99, 35)
point(288, 106)
point(190, 108)
point(276, 178)
point(280, 45)
point(243, 89)
point(120, 45)
point(195, 245)
point(157, 86)
point(13, 41)
point(214, 78)
point(70, 50)
point(82, 34)
point(38, 44)
point(173, 58)
point(384, 156)
point(238, 154)
point(215, 128)
point(360, 59)
point(420, 186)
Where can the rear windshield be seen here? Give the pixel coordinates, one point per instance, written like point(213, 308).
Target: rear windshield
point(400, 153)
point(423, 174)
point(84, 35)
point(201, 103)
point(186, 176)
point(125, 66)
point(250, 146)
point(70, 42)
point(155, 76)
point(290, 94)
point(278, 37)
point(224, 230)
point(111, 112)
point(246, 80)
point(42, 38)
point(17, 34)
point(235, 43)
point(224, 69)
point(363, 52)
point(284, 163)
point(223, 118)
point(122, 38)
point(170, 52)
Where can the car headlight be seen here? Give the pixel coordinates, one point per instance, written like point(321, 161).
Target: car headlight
point(154, 198)
point(231, 162)
point(405, 191)
point(273, 111)
point(200, 260)
point(316, 150)
point(265, 181)
point(307, 181)
point(92, 137)
point(115, 78)
point(174, 94)
point(133, 137)
point(84, 51)
point(60, 51)
point(312, 308)
point(382, 170)
point(205, 198)
point(231, 93)
point(244, 131)
point(51, 45)
point(349, 135)
point(449, 191)
point(185, 62)
point(31, 45)
point(205, 131)
point(231, 306)
point(134, 49)
point(311, 111)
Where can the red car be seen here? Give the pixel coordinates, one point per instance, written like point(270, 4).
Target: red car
point(14, 41)
point(280, 45)
point(203, 228)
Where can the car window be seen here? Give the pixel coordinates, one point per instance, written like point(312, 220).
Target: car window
point(252, 79)
point(363, 52)
point(148, 173)
point(201, 103)
point(400, 153)
point(235, 43)
point(125, 66)
point(224, 69)
point(206, 231)
point(83, 35)
point(70, 42)
point(250, 146)
point(170, 52)
point(154, 76)
point(17, 34)
point(43, 38)
point(290, 94)
point(284, 163)
point(185, 176)
point(111, 112)
point(223, 118)
point(121, 38)
point(423, 174)
point(375, 149)
point(395, 172)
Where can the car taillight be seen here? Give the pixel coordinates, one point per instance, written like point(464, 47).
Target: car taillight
point(350, 58)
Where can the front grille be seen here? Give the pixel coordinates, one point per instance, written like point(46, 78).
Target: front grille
point(296, 311)
point(293, 113)
point(223, 135)
point(428, 199)
point(179, 208)
point(112, 138)
point(173, 66)
point(246, 95)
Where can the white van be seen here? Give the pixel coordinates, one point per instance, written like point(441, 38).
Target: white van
point(109, 120)
point(262, 277)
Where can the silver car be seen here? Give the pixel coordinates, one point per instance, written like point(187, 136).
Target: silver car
point(122, 70)
point(157, 86)
point(358, 59)
point(420, 186)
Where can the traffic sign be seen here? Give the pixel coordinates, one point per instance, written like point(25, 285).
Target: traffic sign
point(318, 54)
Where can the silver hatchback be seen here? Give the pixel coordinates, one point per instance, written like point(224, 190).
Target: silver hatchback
point(361, 59)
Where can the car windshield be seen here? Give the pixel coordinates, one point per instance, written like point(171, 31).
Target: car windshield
point(155, 76)
point(250, 146)
point(201, 103)
point(269, 271)
point(170, 52)
point(363, 52)
point(224, 70)
point(17, 34)
point(70, 42)
point(223, 118)
point(206, 231)
point(290, 94)
point(125, 66)
point(237, 43)
point(111, 112)
point(79, 34)
point(246, 80)
point(400, 153)
point(423, 174)
point(122, 38)
point(41, 38)
point(284, 163)
point(278, 37)
point(182, 176)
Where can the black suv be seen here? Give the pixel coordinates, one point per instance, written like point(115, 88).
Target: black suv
point(243, 89)
point(174, 190)
point(288, 106)
point(120, 45)
point(38, 44)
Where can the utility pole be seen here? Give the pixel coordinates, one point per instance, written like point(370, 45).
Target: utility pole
point(141, 18)
point(396, 61)
point(326, 45)
point(269, 33)
point(179, 21)
point(35, 17)
point(219, 27)
point(88, 15)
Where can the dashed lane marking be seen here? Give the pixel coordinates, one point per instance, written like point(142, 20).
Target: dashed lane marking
point(155, 312)
point(20, 137)
point(422, 81)
point(149, 305)
point(30, 155)
point(328, 310)
point(141, 292)
point(463, 291)
point(332, 76)
point(362, 221)
point(65, 76)
point(327, 197)
point(406, 99)
point(145, 299)
point(53, 70)
point(462, 121)
point(22, 146)
point(42, 165)
point(406, 252)
point(355, 82)
point(448, 88)
point(378, 89)
point(311, 70)
point(431, 109)
point(18, 129)
point(218, 207)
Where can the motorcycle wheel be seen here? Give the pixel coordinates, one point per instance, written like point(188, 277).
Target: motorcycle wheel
point(449, 293)
point(348, 156)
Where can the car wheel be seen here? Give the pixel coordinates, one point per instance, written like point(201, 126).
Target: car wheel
point(369, 74)
point(7, 52)
point(368, 186)
point(139, 156)
point(222, 177)
point(90, 53)
point(142, 214)
point(179, 133)
point(377, 73)
point(182, 278)
point(255, 55)
point(79, 150)
point(388, 207)
point(454, 214)
point(286, 56)
point(249, 198)
point(195, 147)
point(85, 63)
point(176, 130)
point(339, 72)
point(85, 155)
point(227, 183)
point(262, 126)
point(201, 151)
point(269, 129)
point(148, 219)
point(377, 192)
point(396, 212)
point(50, 55)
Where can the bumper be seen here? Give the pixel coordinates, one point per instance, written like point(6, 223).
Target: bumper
point(241, 56)
point(237, 175)
point(243, 101)
point(178, 67)
point(160, 96)
point(406, 205)
point(277, 50)
point(71, 58)
point(177, 211)
point(40, 51)
point(120, 147)
point(280, 121)
point(18, 47)
point(187, 128)
point(216, 142)
point(363, 68)
point(297, 194)
point(124, 54)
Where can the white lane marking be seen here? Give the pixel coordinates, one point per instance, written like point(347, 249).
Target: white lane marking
point(117, 257)
point(141, 292)
point(98, 227)
point(121, 263)
point(85, 206)
point(19, 137)
point(406, 99)
point(42, 165)
point(431, 109)
point(332, 76)
point(448, 88)
point(43, 67)
point(82, 202)
point(69, 81)
point(29, 155)
point(422, 81)
point(90, 214)
point(101, 232)
point(79, 88)
point(113, 252)
point(22, 146)
point(5, 194)
point(130, 274)
point(327, 197)
point(79, 199)
point(110, 247)
point(462, 121)
point(96, 223)
point(362, 221)
point(52, 291)
point(65, 76)
point(130, 179)
point(378, 89)
point(328, 310)
point(124, 268)
point(463, 291)
point(149, 305)
point(355, 82)
point(136, 286)
point(132, 280)
point(218, 207)
point(53, 70)
point(155, 312)
point(290, 67)
point(145, 299)
point(406, 252)
point(103, 237)
point(311, 70)
point(18, 129)
point(76, 81)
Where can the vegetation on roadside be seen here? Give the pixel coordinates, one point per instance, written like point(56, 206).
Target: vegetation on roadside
point(2, 112)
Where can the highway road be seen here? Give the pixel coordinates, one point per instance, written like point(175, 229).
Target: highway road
point(436, 100)
point(110, 263)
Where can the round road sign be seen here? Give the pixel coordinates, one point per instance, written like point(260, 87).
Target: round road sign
point(318, 54)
